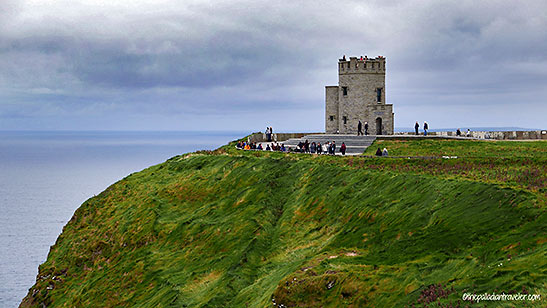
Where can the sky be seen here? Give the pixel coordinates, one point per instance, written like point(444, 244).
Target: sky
point(244, 65)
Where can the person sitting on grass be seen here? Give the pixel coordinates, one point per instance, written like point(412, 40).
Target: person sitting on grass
point(378, 152)
point(259, 147)
point(300, 147)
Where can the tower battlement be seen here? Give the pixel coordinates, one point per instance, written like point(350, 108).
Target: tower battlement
point(360, 96)
point(362, 65)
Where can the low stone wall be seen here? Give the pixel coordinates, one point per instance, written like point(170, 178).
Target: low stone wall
point(261, 137)
point(496, 135)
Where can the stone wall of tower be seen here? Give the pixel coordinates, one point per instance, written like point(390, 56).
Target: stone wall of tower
point(358, 85)
point(331, 103)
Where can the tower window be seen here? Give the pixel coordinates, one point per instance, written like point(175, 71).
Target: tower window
point(345, 120)
point(345, 91)
point(379, 95)
point(331, 118)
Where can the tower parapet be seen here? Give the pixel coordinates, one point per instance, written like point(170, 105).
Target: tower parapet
point(362, 65)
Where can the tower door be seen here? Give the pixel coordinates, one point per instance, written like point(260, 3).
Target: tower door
point(378, 126)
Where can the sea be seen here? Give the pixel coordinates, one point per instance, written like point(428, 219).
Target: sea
point(45, 176)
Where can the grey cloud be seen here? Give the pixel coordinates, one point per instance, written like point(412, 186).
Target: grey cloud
point(200, 57)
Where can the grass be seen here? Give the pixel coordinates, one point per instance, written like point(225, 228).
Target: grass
point(232, 228)
point(508, 163)
point(462, 148)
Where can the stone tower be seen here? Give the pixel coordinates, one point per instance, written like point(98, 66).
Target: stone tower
point(359, 96)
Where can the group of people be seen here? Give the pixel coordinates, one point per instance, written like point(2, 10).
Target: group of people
point(417, 127)
point(318, 148)
point(360, 128)
point(459, 133)
point(383, 152)
point(248, 145)
point(302, 147)
point(274, 146)
point(426, 128)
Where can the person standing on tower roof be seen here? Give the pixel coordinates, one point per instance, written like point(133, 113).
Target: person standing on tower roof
point(426, 127)
point(359, 128)
point(416, 127)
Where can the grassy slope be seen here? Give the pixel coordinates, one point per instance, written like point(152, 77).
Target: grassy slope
point(508, 163)
point(234, 229)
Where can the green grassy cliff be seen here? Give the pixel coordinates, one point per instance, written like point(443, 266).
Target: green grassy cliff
point(234, 228)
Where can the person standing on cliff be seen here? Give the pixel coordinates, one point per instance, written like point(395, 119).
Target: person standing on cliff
point(268, 135)
point(359, 128)
point(416, 127)
point(366, 128)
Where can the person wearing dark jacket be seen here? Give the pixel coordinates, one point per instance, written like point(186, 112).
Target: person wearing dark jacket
point(333, 145)
point(426, 127)
point(416, 127)
point(343, 148)
point(378, 152)
point(366, 128)
point(319, 149)
point(359, 128)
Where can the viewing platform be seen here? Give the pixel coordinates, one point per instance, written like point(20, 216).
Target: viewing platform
point(356, 145)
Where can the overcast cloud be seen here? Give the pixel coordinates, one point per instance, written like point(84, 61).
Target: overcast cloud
point(242, 65)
